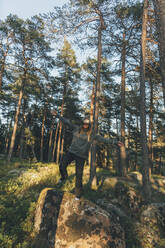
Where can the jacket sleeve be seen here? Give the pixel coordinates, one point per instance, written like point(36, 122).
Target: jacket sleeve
point(66, 121)
point(101, 139)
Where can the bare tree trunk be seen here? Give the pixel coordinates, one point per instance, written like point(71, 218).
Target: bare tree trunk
point(107, 158)
point(59, 143)
point(59, 136)
point(60, 127)
point(136, 144)
point(15, 126)
point(7, 135)
point(92, 103)
point(93, 179)
point(159, 6)
point(129, 134)
point(55, 142)
point(91, 118)
point(42, 136)
point(117, 126)
point(1, 73)
point(145, 159)
point(21, 142)
point(122, 149)
point(6, 143)
point(3, 62)
point(150, 136)
point(160, 162)
point(50, 142)
point(33, 152)
point(62, 144)
point(22, 131)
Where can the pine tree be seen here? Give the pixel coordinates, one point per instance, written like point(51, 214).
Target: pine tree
point(69, 84)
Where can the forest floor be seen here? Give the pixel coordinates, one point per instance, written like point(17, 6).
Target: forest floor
point(21, 183)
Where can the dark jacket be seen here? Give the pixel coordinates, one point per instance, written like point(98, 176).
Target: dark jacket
point(82, 141)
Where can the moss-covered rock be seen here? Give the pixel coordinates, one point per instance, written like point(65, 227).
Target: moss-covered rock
point(151, 227)
point(63, 221)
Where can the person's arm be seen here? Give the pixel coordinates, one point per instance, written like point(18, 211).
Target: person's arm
point(64, 120)
point(112, 141)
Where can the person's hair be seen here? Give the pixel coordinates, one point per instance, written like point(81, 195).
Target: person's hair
point(81, 130)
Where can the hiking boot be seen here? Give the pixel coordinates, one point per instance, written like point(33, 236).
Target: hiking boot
point(60, 181)
point(78, 192)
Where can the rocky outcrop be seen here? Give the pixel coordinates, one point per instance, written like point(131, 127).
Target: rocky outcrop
point(62, 221)
point(151, 227)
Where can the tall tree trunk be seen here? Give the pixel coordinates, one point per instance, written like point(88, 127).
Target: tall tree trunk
point(50, 142)
point(136, 143)
point(60, 127)
point(15, 125)
point(59, 143)
point(22, 130)
point(92, 103)
point(129, 135)
point(122, 149)
point(1, 73)
point(160, 162)
point(159, 6)
point(62, 143)
point(7, 138)
point(22, 141)
point(150, 135)
point(92, 179)
point(55, 142)
point(107, 159)
point(91, 118)
point(42, 135)
point(60, 135)
point(117, 125)
point(145, 159)
point(33, 152)
point(3, 63)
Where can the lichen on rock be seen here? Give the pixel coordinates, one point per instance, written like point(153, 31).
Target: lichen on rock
point(65, 222)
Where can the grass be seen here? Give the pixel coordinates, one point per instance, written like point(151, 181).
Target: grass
point(20, 185)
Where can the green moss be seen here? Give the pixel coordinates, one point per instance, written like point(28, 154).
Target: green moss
point(19, 194)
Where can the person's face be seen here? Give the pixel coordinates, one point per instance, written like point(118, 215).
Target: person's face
point(85, 125)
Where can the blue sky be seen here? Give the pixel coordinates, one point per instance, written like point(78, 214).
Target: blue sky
point(27, 8)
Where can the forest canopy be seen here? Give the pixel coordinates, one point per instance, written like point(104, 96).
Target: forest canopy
point(86, 58)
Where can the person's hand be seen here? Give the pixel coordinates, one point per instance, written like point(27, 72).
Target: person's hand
point(54, 112)
point(120, 144)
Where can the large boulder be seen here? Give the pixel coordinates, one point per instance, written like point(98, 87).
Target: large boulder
point(151, 227)
point(129, 199)
point(62, 221)
point(136, 175)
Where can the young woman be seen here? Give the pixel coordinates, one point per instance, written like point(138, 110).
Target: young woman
point(79, 149)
